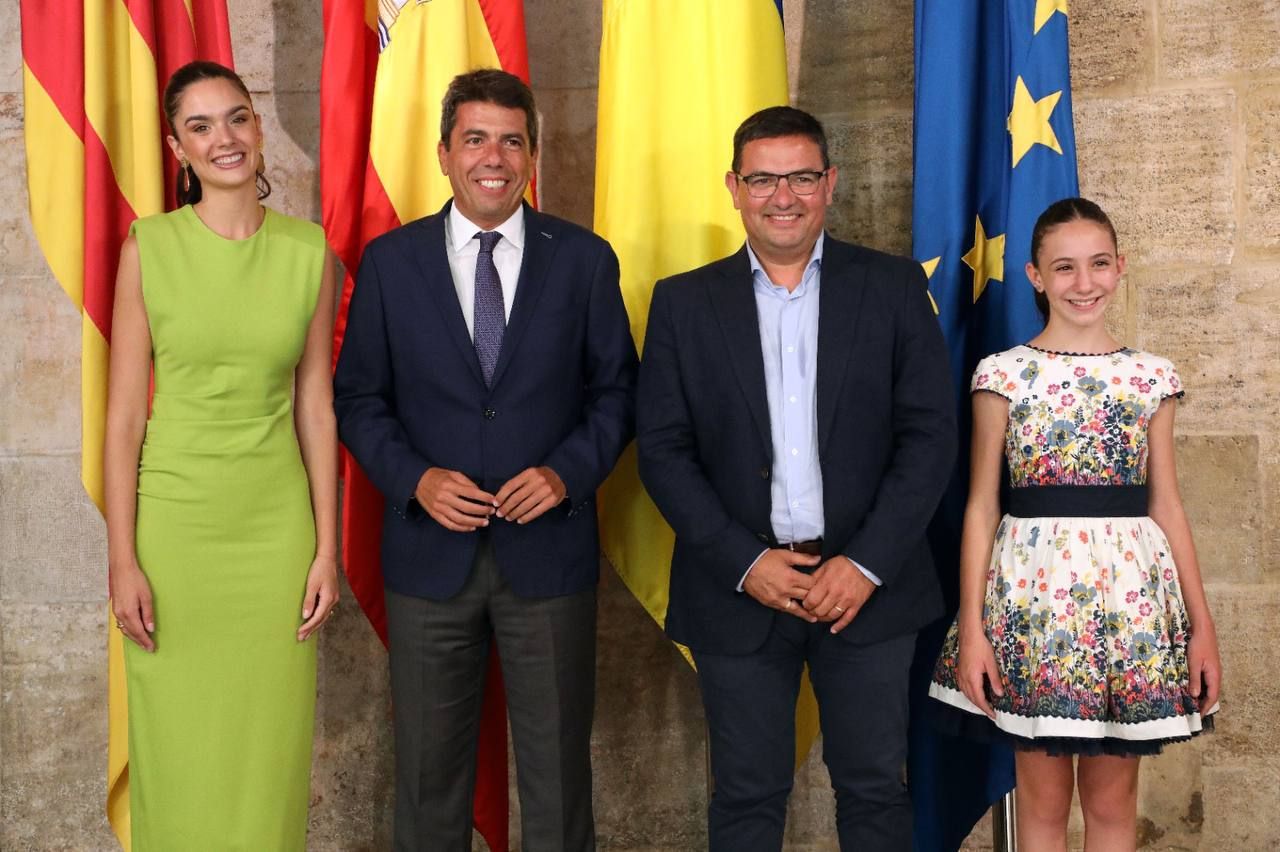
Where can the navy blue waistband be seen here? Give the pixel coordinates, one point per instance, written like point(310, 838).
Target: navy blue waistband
point(1078, 501)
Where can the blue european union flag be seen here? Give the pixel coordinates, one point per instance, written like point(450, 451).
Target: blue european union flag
point(994, 146)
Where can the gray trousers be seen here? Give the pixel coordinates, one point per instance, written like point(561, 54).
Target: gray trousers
point(439, 651)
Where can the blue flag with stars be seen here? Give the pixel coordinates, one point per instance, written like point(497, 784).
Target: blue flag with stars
point(994, 146)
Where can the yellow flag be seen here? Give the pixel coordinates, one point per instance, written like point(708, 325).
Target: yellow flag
point(676, 80)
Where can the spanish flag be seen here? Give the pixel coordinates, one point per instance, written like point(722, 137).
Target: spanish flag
point(676, 80)
point(386, 66)
point(93, 72)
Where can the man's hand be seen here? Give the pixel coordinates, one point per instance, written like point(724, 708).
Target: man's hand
point(529, 494)
point(775, 582)
point(453, 500)
point(839, 591)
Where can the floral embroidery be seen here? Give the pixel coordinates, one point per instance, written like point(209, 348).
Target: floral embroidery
point(1086, 424)
point(1085, 614)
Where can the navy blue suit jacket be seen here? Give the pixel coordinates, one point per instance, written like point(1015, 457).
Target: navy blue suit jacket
point(886, 440)
point(409, 396)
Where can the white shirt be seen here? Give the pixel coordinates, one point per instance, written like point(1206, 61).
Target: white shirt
point(462, 249)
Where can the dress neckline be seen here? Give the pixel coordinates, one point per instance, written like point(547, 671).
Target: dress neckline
point(1076, 354)
point(262, 226)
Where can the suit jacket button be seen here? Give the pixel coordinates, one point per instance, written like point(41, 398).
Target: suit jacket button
point(764, 539)
point(489, 414)
point(764, 473)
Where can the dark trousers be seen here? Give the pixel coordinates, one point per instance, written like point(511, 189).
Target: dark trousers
point(439, 651)
point(750, 702)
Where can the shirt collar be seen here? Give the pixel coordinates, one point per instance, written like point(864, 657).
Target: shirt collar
point(462, 231)
point(758, 272)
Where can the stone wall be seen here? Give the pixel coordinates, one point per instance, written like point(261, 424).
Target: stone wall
point(1177, 117)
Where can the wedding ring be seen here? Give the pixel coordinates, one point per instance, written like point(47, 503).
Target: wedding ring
point(839, 609)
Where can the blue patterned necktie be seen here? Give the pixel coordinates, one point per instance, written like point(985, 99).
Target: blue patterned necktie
point(490, 320)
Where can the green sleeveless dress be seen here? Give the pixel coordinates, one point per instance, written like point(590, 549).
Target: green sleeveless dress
point(221, 715)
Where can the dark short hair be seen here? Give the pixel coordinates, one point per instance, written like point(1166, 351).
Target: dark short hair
point(488, 85)
point(184, 77)
point(775, 121)
point(1058, 213)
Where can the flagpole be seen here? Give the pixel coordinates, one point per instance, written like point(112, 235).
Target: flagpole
point(1004, 828)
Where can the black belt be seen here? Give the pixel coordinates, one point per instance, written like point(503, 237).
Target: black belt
point(1078, 501)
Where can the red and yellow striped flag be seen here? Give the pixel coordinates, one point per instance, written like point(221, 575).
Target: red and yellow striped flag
point(386, 66)
point(93, 74)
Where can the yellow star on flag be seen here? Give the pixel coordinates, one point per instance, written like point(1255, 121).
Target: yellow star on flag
point(986, 258)
point(1029, 121)
point(1045, 10)
point(929, 266)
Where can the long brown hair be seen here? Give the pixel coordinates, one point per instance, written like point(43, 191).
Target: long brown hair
point(188, 189)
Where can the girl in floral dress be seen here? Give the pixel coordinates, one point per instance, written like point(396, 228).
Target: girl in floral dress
point(1083, 629)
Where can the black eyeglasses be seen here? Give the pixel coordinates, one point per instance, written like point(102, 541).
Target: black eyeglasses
point(764, 184)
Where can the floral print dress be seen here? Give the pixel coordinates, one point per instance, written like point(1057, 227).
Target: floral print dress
point(1082, 606)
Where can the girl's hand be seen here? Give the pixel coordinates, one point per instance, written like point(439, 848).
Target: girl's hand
point(978, 660)
point(131, 603)
point(1205, 665)
point(321, 595)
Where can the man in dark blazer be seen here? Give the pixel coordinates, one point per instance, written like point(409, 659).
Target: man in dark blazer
point(486, 386)
point(795, 427)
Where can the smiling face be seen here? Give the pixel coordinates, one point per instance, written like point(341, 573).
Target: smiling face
point(783, 227)
point(218, 133)
point(488, 161)
point(1077, 269)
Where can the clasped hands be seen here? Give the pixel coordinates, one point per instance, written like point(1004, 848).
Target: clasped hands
point(458, 504)
point(834, 592)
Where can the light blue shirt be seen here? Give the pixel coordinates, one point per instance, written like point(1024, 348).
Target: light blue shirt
point(789, 343)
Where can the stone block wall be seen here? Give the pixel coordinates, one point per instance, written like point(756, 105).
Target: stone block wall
point(1177, 119)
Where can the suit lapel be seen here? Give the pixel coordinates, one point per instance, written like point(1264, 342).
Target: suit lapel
point(839, 300)
point(540, 234)
point(734, 301)
point(433, 261)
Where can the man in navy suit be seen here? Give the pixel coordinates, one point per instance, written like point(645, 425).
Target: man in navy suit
point(486, 386)
point(796, 429)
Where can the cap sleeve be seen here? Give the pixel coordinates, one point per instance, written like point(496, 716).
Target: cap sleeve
point(1168, 384)
point(990, 375)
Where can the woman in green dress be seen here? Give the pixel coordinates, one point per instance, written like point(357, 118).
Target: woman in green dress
point(222, 505)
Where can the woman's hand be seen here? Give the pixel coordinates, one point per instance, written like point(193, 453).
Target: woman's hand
point(1205, 665)
point(978, 659)
point(131, 603)
point(321, 595)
